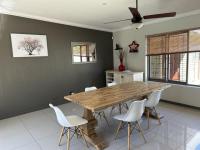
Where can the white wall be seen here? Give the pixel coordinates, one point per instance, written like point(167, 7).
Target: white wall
point(137, 61)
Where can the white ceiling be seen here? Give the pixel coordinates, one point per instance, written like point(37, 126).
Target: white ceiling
point(93, 13)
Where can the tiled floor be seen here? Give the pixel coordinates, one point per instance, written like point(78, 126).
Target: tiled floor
point(180, 130)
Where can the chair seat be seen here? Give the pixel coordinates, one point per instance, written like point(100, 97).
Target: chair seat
point(148, 104)
point(120, 117)
point(76, 120)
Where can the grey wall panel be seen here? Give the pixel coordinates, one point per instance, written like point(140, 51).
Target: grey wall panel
point(28, 84)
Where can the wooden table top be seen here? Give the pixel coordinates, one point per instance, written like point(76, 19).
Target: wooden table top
point(109, 96)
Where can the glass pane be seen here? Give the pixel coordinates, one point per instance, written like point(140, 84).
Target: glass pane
point(194, 68)
point(178, 42)
point(195, 40)
point(77, 59)
point(84, 59)
point(157, 67)
point(92, 50)
point(177, 67)
point(156, 45)
point(76, 50)
point(91, 58)
point(83, 50)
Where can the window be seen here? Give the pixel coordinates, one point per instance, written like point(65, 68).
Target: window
point(175, 57)
point(177, 67)
point(157, 67)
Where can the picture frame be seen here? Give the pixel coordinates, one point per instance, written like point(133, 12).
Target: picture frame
point(29, 45)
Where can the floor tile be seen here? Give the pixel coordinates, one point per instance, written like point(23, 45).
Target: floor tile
point(39, 124)
point(13, 134)
point(32, 146)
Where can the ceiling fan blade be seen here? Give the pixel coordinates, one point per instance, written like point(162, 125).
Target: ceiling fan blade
point(117, 21)
point(136, 15)
point(163, 15)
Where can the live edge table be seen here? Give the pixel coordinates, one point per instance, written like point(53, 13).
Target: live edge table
point(106, 97)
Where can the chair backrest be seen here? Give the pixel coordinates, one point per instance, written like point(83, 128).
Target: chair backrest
point(87, 89)
point(111, 84)
point(62, 120)
point(153, 98)
point(135, 111)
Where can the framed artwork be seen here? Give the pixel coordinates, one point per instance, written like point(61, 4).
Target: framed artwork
point(83, 52)
point(29, 45)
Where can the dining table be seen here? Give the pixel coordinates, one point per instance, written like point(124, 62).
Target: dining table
point(105, 97)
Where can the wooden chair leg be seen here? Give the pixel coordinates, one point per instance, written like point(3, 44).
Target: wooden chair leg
point(129, 136)
point(158, 117)
point(83, 136)
point(120, 108)
point(112, 110)
point(148, 118)
point(141, 131)
point(61, 135)
point(68, 138)
point(119, 127)
point(126, 106)
point(104, 116)
point(76, 132)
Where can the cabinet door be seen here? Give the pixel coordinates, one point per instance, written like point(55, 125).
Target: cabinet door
point(127, 78)
point(138, 77)
point(117, 78)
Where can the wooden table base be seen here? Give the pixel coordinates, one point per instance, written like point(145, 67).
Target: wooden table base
point(89, 131)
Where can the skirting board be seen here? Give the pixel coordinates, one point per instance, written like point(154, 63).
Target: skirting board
point(180, 104)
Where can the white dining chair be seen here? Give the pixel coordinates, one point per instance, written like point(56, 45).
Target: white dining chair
point(119, 106)
point(152, 101)
point(132, 117)
point(98, 114)
point(69, 124)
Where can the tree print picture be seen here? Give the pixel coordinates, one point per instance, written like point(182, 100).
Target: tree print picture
point(28, 45)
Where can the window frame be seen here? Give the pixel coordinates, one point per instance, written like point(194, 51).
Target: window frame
point(166, 79)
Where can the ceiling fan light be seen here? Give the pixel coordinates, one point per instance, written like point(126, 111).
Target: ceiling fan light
point(139, 26)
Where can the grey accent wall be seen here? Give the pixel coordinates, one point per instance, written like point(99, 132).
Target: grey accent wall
point(28, 84)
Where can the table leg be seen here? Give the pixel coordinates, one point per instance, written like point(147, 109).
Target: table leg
point(89, 131)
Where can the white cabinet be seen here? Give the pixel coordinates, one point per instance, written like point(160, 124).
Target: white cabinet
point(123, 77)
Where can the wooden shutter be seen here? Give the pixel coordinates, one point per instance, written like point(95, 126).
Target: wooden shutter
point(178, 42)
point(194, 40)
point(156, 45)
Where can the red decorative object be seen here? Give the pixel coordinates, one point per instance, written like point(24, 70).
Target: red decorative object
point(121, 58)
point(134, 47)
point(121, 67)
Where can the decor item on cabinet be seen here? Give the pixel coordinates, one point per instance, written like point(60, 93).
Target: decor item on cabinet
point(29, 45)
point(118, 47)
point(134, 47)
point(121, 58)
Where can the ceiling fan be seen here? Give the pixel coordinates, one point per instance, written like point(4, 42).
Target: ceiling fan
point(137, 18)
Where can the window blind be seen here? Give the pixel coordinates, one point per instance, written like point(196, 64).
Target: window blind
point(157, 45)
point(168, 43)
point(178, 43)
point(194, 40)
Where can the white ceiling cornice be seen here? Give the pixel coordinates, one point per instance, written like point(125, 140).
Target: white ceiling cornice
point(55, 21)
point(191, 13)
point(195, 12)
